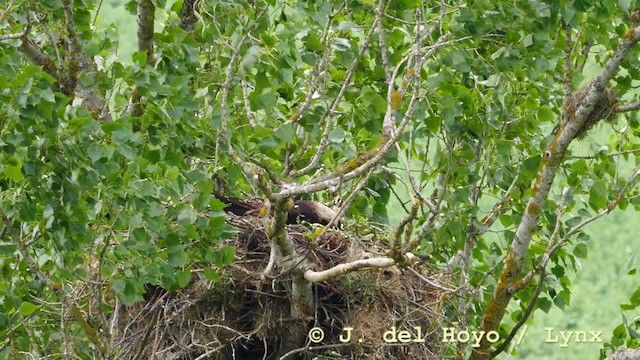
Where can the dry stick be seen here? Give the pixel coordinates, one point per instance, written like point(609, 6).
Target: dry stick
point(327, 118)
point(371, 263)
point(553, 157)
point(114, 325)
point(347, 203)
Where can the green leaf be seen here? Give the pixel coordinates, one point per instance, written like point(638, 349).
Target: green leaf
point(211, 275)
point(313, 43)
point(544, 304)
point(228, 253)
point(140, 58)
point(27, 308)
point(13, 172)
point(285, 132)
point(598, 195)
point(183, 277)
point(545, 115)
point(580, 251)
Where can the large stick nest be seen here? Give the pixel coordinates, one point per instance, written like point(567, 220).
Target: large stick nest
point(242, 317)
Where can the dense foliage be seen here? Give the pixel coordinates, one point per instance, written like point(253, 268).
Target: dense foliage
point(108, 166)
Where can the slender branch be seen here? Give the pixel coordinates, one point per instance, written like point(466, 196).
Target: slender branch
point(349, 200)
point(501, 207)
point(247, 105)
point(226, 87)
point(619, 153)
point(627, 108)
point(567, 61)
point(327, 118)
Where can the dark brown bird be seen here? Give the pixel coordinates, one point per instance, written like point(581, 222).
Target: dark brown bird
point(303, 210)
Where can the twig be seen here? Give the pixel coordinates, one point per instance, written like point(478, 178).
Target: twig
point(349, 200)
point(247, 105)
point(627, 108)
point(327, 118)
point(567, 62)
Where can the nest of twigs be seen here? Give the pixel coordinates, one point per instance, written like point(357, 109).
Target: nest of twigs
point(242, 317)
point(603, 110)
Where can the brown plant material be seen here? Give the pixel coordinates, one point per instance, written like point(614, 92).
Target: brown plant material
point(242, 317)
point(605, 108)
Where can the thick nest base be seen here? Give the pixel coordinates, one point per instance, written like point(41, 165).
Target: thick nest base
point(361, 314)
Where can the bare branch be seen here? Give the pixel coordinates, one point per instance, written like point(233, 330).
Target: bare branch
point(619, 153)
point(372, 263)
point(627, 108)
point(247, 105)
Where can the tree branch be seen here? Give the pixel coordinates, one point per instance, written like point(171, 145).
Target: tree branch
point(372, 263)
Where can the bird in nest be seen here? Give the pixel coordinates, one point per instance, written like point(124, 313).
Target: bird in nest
point(302, 210)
